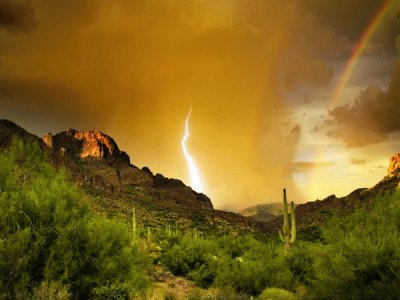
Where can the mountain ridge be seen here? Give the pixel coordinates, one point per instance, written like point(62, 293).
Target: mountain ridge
point(96, 164)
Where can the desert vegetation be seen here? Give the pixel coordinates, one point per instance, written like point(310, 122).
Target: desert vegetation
point(51, 242)
point(53, 245)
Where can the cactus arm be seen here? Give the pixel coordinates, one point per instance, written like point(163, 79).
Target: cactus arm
point(281, 237)
point(285, 214)
point(293, 221)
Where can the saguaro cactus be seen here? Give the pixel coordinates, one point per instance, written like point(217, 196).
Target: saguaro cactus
point(288, 235)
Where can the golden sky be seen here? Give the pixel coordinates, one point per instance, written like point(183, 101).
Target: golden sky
point(259, 73)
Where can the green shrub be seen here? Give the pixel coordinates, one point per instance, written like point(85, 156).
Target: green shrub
point(242, 263)
point(258, 267)
point(276, 294)
point(51, 290)
point(300, 262)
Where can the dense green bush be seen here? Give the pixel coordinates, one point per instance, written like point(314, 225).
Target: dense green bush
point(276, 294)
point(242, 263)
point(47, 233)
point(189, 256)
point(300, 261)
point(258, 267)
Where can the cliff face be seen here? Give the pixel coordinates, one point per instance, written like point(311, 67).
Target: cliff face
point(88, 144)
point(394, 165)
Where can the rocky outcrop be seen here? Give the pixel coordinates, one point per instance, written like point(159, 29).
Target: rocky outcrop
point(87, 144)
point(95, 161)
point(394, 165)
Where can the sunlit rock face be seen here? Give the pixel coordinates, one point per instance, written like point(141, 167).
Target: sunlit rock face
point(95, 161)
point(394, 165)
point(87, 144)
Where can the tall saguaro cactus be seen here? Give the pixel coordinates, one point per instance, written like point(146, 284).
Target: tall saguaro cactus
point(288, 235)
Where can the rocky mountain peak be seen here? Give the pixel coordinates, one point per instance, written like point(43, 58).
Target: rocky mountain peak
point(86, 144)
point(394, 165)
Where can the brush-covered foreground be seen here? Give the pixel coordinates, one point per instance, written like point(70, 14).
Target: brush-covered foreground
point(53, 246)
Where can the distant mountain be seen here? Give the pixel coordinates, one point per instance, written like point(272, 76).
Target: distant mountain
point(95, 162)
point(263, 212)
point(311, 215)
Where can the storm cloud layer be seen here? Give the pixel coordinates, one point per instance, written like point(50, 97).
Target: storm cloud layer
point(373, 116)
point(17, 15)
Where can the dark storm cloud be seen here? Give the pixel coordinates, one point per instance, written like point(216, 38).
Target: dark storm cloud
point(373, 116)
point(41, 97)
point(351, 18)
point(347, 17)
point(41, 92)
point(17, 15)
point(308, 43)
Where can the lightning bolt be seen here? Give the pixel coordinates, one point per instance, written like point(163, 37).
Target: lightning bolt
point(193, 170)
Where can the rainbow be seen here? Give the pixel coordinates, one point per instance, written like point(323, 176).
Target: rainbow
point(359, 50)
